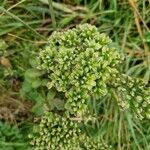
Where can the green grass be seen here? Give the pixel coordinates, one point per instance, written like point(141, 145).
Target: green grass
point(25, 26)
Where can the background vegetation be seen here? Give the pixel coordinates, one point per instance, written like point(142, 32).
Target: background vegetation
point(24, 27)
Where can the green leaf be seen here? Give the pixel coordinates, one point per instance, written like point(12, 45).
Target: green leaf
point(44, 82)
point(3, 45)
point(147, 76)
point(36, 96)
point(32, 73)
point(57, 103)
point(38, 108)
point(50, 95)
point(33, 62)
point(36, 83)
point(26, 87)
point(147, 37)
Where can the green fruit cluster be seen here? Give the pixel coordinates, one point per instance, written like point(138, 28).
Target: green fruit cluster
point(56, 132)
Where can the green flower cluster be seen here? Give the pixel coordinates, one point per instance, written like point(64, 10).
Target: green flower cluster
point(133, 94)
point(94, 144)
point(61, 133)
point(56, 133)
point(79, 63)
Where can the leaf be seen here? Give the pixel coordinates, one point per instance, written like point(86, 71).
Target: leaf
point(32, 73)
point(147, 37)
point(38, 108)
point(57, 103)
point(59, 6)
point(67, 20)
point(45, 82)
point(91, 131)
point(134, 68)
point(36, 96)
point(147, 76)
point(131, 127)
point(26, 87)
point(50, 95)
point(36, 83)
point(5, 62)
point(3, 45)
point(33, 62)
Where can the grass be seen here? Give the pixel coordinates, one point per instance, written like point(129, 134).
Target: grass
point(24, 28)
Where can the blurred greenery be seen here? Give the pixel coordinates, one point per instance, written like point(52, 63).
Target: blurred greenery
point(11, 138)
point(24, 27)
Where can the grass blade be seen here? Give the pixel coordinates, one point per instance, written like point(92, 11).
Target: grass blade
point(52, 13)
point(18, 19)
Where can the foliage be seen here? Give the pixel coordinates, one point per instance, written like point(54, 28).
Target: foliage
point(126, 22)
point(81, 64)
point(78, 63)
point(11, 138)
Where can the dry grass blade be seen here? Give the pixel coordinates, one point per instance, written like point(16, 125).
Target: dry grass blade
point(23, 39)
point(134, 7)
point(13, 6)
point(12, 109)
point(137, 17)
